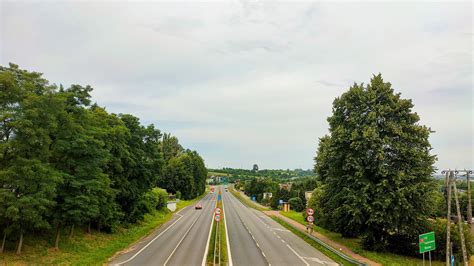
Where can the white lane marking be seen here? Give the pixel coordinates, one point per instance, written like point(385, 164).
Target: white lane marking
point(208, 240)
point(314, 259)
point(298, 255)
point(149, 243)
point(280, 229)
point(181, 240)
point(250, 233)
point(226, 235)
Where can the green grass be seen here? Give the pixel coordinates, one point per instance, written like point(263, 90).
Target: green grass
point(246, 200)
point(355, 245)
point(83, 248)
point(313, 243)
point(223, 247)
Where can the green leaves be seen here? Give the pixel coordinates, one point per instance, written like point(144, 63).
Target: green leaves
point(66, 162)
point(375, 166)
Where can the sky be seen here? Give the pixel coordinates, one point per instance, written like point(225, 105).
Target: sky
point(246, 82)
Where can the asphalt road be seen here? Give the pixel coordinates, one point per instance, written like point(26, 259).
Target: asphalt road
point(255, 239)
point(180, 241)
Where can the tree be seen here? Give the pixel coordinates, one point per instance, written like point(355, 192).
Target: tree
point(255, 168)
point(296, 204)
point(376, 166)
point(27, 182)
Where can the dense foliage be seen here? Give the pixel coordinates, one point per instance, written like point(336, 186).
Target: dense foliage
point(376, 168)
point(275, 175)
point(67, 162)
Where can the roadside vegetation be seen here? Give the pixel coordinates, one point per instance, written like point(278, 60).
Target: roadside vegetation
point(246, 200)
point(68, 166)
point(373, 186)
point(313, 243)
point(89, 249)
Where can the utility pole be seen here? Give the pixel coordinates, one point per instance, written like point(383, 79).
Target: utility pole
point(469, 206)
point(460, 225)
point(451, 182)
point(448, 221)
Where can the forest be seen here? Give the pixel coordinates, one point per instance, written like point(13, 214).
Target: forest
point(67, 162)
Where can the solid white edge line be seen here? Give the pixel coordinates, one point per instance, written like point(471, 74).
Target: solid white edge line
point(208, 240)
point(298, 255)
point(226, 234)
point(149, 243)
point(181, 240)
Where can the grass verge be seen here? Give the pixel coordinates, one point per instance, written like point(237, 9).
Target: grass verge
point(86, 249)
point(355, 245)
point(223, 246)
point(246, 200)
point(313, 243)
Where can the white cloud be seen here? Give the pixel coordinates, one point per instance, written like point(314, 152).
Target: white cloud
point(253, 81)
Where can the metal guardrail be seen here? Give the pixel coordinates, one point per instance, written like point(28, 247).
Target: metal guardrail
point(335, 251)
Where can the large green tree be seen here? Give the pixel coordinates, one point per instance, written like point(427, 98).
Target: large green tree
point(375, 166)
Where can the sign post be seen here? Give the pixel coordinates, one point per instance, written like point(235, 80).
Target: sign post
point(427, 243)
point(310, 220)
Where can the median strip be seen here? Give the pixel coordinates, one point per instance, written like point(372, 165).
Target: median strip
point(217, 247)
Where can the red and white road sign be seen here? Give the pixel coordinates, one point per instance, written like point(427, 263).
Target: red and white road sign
point(310, 219)
point(310, 211)
point(217, 217)
point(217, 211)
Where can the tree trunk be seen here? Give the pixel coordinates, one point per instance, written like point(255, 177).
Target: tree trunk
point(460, 225)
point(71, 234)
point(3, 242)
point(98, 226)
point(448, 222)
point(20, 243)
point(89, 228)
point(58, 235)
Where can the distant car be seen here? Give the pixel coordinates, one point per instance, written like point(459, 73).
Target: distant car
point(198, 206)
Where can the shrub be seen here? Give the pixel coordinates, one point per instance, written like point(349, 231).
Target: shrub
point(296, 204)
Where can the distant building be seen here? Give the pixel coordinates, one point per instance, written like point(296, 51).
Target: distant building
point(307, 195)
point(286, 186)
point(267, 195)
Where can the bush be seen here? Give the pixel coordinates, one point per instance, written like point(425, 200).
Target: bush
point(178, 194)
point(162, 197)
point(296, 204)
point(439, 227)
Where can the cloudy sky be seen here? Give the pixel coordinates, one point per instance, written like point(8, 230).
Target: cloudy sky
point(248, 82)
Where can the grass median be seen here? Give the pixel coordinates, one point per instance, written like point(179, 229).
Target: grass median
point(88, 249)
point(223, 240)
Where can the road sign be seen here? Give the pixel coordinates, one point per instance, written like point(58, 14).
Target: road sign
point(427, 242)
point(217, 211)
point(280, 201)
point(310, 211)
point(217, 217)
point(219, 197)
point(254, 198)
point(310, 219)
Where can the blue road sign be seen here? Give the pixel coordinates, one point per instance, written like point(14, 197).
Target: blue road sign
point(219, 197)
point(254, 198)
point(452, 260)
point(280, 201)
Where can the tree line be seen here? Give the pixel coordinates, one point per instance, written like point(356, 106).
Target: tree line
point(67, 162)
point(375, 170)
